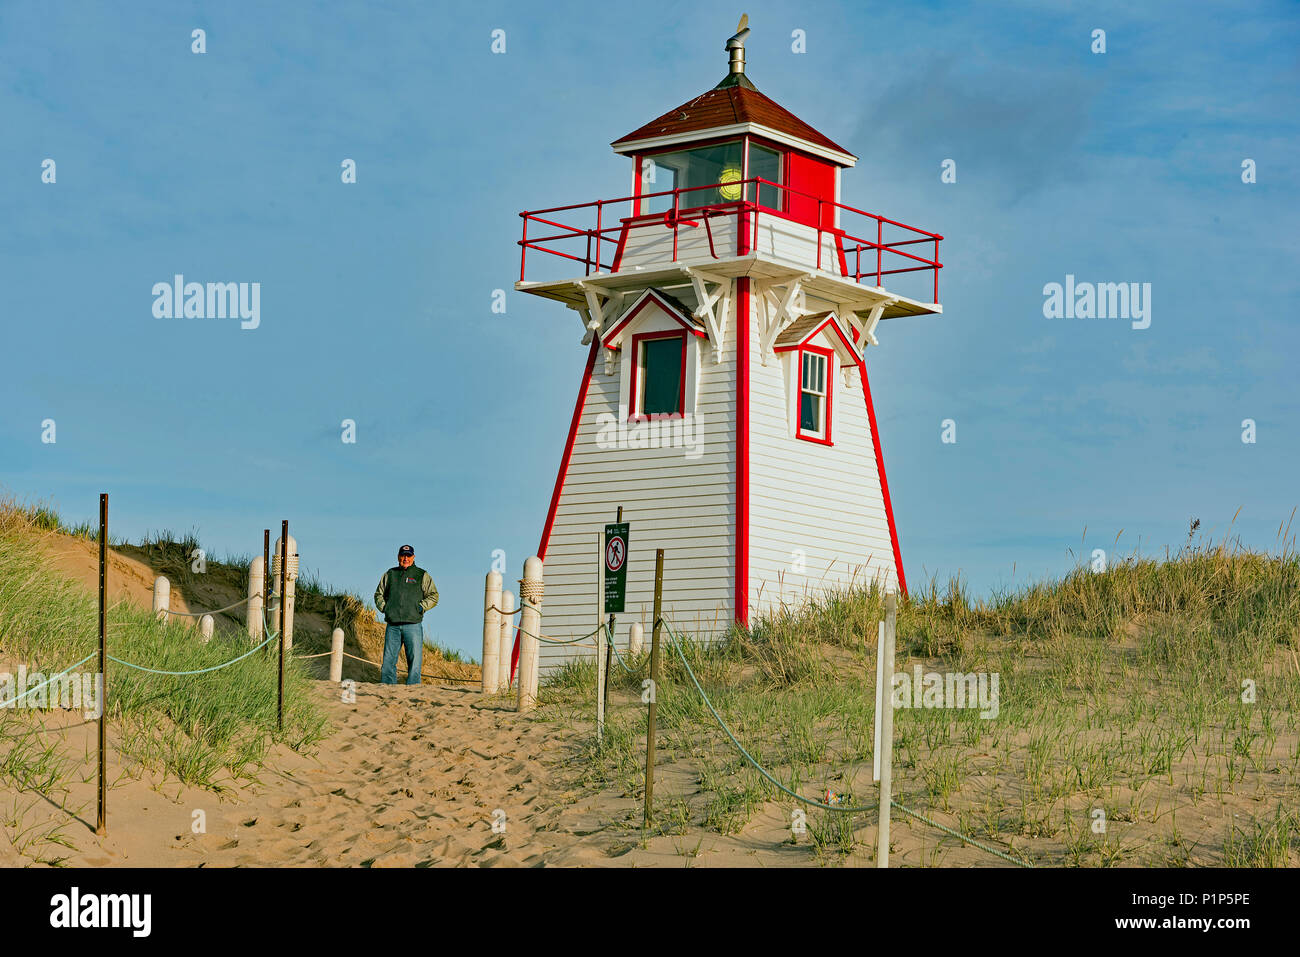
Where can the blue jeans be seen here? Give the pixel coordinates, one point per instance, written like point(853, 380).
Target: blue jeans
point(396, 637)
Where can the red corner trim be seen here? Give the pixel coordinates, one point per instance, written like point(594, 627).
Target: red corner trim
point(742, 451)
point(559, 478)
point(884, 482)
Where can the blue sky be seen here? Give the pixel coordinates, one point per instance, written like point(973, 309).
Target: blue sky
point(375, 297)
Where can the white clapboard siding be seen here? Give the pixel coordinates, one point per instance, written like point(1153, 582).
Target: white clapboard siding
point(784, 240)
point(773, 237)
point(686, 506)
point(650, 246)
point(824, 501)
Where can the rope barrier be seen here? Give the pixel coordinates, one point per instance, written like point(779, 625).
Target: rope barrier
point(622, 664)
point(200, 671)
point(557, 641)
point(128, 664)
point(407, 671)
point(309, 657)
point(961, 837)
point(672, 637)
point(503, 611)
point(13, 701)
point(266, 628)
point(218, 611)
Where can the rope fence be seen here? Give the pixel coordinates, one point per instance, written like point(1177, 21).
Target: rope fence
point(215, 611)
point(200, 671)
point(13, 701)
point(406, 671)
point(840, 808)
point(964, 838)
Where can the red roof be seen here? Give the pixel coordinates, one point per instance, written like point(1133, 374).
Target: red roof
point(726, 106)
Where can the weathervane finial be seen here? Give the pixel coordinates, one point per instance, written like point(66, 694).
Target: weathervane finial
point(736, 45)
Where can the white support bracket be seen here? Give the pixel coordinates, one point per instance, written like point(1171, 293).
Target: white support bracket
point(597, 311)
point(782, 317)
point(867, 327)
point(713, 306)
point(588, 328)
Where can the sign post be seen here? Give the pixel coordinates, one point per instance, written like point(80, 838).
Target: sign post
point(612, 594)
point(615, 567)
point(609, 647)
point(601, 675)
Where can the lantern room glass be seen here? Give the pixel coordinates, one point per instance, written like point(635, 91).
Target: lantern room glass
point(766, 164)
point(722, 163)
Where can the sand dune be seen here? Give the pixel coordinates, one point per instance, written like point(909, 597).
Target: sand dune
point(413, 776)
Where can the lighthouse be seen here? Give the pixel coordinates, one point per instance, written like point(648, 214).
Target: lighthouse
point(727, 304)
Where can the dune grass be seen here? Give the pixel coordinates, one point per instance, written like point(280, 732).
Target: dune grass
point(1164, 695)
point(208, 730)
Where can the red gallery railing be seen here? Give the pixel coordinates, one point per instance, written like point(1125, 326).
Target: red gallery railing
point(588, 244)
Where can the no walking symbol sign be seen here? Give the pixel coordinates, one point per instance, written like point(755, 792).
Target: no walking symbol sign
point(615, 567)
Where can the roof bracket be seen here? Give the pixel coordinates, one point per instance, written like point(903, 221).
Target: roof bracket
point(866, 328)
point(594, 313)
point(715, 319)
point(601, 304)
point(780, 313)
point(588, 327)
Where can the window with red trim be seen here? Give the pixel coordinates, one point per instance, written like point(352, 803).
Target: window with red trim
point(658, 373)
point(723, 163)
point(765, 164)
point(814, 411)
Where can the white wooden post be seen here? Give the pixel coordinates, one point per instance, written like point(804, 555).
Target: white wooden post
point(601, 677)
point(206, 626)
point(530, 625)
point(162, 597)
point(491, 668)
point(256, 600)
point(880, 685)
point(336, 655)
point(507, 640)
point(290, 585)
point(635, 638)
point(886, 748)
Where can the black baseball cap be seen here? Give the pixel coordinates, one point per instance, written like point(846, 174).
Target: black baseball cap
point(405, 550)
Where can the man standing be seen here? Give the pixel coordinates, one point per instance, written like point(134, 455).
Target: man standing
point(404, 594)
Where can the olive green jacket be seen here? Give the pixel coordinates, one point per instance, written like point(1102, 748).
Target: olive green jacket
point(405, 594)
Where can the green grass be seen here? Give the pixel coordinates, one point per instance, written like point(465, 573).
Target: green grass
point(208, 730)
point(1119, 690)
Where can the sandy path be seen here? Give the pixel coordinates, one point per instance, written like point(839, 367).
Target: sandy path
point(411, 777)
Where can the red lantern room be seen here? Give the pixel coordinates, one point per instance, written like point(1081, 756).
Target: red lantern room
point(731, 297)
point(734, 136)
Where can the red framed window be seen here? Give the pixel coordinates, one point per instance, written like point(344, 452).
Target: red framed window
point(703, 164)
point(813, 421)
point(658, 384)
point(767, 163)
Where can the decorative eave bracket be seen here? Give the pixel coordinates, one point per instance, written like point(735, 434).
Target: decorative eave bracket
point(602, 305)
point(866, 328)
point(780, 313)
point(713, 306)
